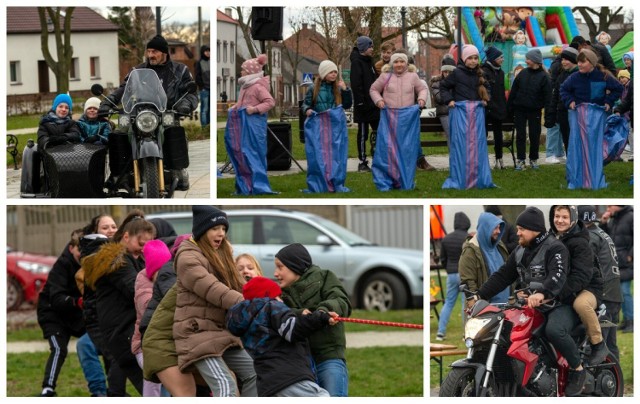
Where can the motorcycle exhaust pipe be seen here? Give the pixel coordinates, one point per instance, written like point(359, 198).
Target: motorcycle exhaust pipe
point(161, 175)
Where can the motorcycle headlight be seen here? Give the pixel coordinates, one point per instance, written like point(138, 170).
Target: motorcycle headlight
point(123, 121)
point(168, 119)
point(34, 267)
point(147, 121)
point(473, 327)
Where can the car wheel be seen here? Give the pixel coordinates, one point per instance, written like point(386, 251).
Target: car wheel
point(383, 291)
point(15, 296)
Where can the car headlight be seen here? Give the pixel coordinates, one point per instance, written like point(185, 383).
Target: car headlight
point(147, 121)
point(123, 121)
point(34, 267)
point(168, 119)
point(473, 327)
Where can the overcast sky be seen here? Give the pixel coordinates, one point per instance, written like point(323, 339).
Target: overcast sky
point(186, 15)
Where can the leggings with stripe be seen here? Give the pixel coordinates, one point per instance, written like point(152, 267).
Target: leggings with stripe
point(58, 353)
point(217, 372)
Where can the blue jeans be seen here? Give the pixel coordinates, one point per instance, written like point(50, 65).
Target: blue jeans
point(453, 283)
point(627, 304)
point(333, 377)
point(91, 366)
point(554, 145)
point(204, 108)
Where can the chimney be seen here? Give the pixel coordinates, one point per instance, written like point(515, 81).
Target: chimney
point(313, 27)
point(305, 26)
point(228, 11)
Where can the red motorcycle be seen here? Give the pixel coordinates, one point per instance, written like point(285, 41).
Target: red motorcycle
point(509, 356)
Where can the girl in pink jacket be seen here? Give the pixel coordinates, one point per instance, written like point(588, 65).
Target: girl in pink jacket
point(398, 85)
point(254, 87)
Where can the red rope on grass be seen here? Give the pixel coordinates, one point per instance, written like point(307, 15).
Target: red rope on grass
point(376, 322)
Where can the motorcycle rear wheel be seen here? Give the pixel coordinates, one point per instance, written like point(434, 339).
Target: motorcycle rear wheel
point(610, 380)
point(151, 188)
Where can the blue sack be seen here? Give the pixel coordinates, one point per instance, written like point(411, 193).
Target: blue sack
point(584, 160)
point(616, 132)
point(245, 138)
point(326, 145)
point(397, 148)
point(468, 154)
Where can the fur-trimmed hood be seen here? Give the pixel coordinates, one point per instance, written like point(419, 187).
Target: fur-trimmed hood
point(411, 69)
point(108, 259)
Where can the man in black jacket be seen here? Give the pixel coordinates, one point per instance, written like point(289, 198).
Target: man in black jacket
point(497, 106)
point(60, 311)
point(617, 221)
point(605, 254)
point(365, 113)
point(541, 258)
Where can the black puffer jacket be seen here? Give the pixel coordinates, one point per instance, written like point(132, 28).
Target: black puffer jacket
point(531, 89)
point(620, 228)
point(58, 301)
point(363, 74)
point(584, 272)
point(441, 108)
point(461, 85)
point(452, 243)
point(556, 104)
point(497, 106)
point(53, 131)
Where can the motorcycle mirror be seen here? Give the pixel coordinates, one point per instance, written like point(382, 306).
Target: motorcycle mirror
point(97, 89)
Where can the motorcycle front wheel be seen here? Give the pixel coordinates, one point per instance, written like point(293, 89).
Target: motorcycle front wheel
point(460, 382)
point(151, 187)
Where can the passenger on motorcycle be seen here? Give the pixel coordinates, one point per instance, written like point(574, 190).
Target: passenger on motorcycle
point(584, 286)
point(175, 78)
point(95, 129)
point(57, 127)
point(542, 258)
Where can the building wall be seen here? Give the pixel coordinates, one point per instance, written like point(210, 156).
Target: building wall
point(226, 32)
point(26, 49)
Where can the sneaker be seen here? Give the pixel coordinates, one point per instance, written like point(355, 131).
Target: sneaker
point(423, 164)
point(364, 167)
point(552, 160)
point(599, 353)
point(48, 392)
point(499, 164)
point(534, 164)
point(575, 384)
point(521, 165)
point(440, 337)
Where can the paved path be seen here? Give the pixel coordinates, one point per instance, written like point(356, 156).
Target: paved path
point(199, 172)
point(354, 340)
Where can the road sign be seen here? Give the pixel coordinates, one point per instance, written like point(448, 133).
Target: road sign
point(307, 78)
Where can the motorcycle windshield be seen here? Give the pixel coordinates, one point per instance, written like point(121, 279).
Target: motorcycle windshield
point(143, 87)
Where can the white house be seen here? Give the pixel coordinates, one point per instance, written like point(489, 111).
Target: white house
point(95, 52)
point(226, 50)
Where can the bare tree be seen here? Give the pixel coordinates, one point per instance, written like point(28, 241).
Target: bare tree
point(292, 53)
point(244, 18)
point(51, 20)
point(598, 19)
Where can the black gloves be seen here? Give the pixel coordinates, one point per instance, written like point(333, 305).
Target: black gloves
point(183, 107)
point(104, 109)
point(92, 139)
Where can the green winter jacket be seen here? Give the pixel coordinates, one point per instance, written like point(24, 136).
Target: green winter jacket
point(325, 99)
point(320, 289)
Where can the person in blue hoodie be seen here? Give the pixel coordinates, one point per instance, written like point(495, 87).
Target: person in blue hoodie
point(483, 254)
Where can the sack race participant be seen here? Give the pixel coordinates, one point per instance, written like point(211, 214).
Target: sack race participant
point(397, 146)
point(585, 161)
point(246, 130)
point(616, 133)
point(468, 156)
point(326, 145)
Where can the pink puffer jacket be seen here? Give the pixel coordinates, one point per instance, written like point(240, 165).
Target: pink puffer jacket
point(398, 91)
point(144, 291)
point(256, 95)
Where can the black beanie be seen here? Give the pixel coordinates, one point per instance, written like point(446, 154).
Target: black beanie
point(531, 218)
point(159, 43)
point(495, 209)
point(295, 257)
point(206, 217)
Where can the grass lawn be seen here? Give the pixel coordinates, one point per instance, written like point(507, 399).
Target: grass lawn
point(373, 372)
point(455, 334)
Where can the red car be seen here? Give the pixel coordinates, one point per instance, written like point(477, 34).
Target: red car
point(26, 276)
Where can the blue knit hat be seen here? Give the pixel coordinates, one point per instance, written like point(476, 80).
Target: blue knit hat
point(493, 53)
point(62, 98)
point(363, 43)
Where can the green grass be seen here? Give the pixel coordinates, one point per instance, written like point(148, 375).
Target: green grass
point(373, 372)
point(548, 182)
point(455, 334)
point(22, 121)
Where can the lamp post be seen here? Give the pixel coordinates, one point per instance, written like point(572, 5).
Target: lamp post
point(403, 15)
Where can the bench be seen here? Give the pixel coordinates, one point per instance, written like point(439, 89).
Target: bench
point(12, 149)
point(432, 124)
point(438, 351)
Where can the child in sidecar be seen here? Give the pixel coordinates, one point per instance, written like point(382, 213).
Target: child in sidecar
point(94, 129)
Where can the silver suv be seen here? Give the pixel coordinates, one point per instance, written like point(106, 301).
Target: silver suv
point(376, 278)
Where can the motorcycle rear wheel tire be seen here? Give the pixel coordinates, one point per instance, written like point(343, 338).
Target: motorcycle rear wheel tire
point(150, 177)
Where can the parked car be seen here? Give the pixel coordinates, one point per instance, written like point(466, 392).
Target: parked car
point(376, 278)
point(26, 276)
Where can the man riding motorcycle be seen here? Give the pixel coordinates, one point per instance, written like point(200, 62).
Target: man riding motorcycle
point(542, 258)
point(174, 76)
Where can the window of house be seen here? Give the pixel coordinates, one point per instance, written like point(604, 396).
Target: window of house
point(225, 46)
point(218, 52)
point(232, 52)
point(15, 74)
point(74, 69)
point(94, 66)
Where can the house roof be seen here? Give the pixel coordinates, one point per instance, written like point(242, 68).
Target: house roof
point(25, 20)
point(225, 18)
